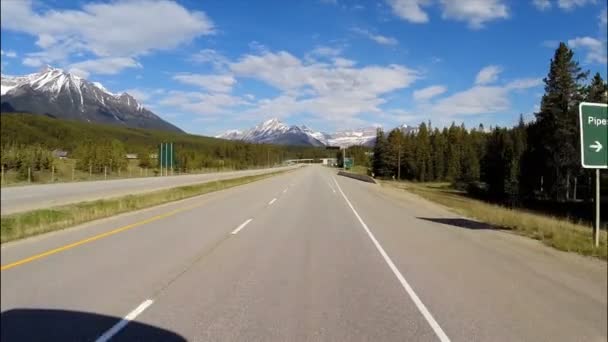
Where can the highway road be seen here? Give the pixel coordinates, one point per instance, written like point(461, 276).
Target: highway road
point(303, 256)
point(29, 197)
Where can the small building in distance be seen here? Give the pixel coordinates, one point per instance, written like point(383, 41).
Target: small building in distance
point(329, 161)
point(61, 154)
point(131, 155)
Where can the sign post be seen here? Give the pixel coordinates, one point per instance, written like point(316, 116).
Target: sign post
point(166, 158)
point(593, 118)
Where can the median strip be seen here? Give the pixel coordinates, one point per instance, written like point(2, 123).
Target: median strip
point(21, 225)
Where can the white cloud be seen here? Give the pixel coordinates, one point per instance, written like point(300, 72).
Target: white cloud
point(474, 101)
point(604, 19)
point(9, 53)
point(103, 66)
point(570, 4)
point(32, 62)
point(344, 62)
point(542, 4)
point(212, 57)
point(286, 72)
point(524, 83)
point(596, 48)
point(140, 95)
point(105, 29)
point(410, 10)
point(488, 74)
point(201, 103)
point(480, 99)
point(338, 91)
point(45, 41)
point(427, 93)
point(380, 39)
point(325, 51)
point(475, 12)
point(563, 4)
point(213, 83)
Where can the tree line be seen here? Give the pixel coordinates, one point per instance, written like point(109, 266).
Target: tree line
point(27, 141)
point(540, 159)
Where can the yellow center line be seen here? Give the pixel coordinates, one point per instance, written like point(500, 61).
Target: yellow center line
point(92, 238)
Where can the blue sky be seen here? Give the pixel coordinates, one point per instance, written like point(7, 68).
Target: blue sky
point(209, 66)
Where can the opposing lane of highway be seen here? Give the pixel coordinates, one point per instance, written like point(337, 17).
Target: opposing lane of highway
point(286, 258)
point(23, 198)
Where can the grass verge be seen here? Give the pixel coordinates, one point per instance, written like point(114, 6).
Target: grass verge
point(358, 169)
point(557, 233)
point(21, 225)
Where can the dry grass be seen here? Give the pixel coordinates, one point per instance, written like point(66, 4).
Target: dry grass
point(558, 233)
point(358, 169)
point(30, 223)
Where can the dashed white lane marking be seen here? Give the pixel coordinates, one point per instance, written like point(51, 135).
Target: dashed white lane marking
point(332, 188)
point(421, 307)
point(236, 231)
point(284, 191)
point(272, 201)
point(123, 322)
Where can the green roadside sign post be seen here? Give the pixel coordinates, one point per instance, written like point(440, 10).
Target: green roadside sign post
point(593, 118)
point(166, 158)
point(348, 163)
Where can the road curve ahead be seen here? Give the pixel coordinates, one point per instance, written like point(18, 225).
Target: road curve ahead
point(22, 198)
point(303, 256)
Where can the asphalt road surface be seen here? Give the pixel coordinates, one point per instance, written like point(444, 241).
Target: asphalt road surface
point(303, 256)
point(23, 198)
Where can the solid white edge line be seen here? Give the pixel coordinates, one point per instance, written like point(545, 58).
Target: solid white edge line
point(234, 232)
point(410, 291)
point(272, 201)
point(123, 322)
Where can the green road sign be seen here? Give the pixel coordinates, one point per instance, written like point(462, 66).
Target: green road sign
point(594, 135)
point(348, 163)
point(166, 156)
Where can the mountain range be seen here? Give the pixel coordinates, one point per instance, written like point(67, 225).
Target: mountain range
point(64, 95)
point(274, 131)
point(56, 93)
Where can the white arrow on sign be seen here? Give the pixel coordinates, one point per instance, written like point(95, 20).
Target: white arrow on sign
point(597, 146)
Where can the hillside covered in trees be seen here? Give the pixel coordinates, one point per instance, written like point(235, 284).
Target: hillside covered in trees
point(28, 140)
point(539, 160)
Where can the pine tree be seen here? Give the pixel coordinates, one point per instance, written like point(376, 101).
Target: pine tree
point(422, 154)
point(438, 146)
point(554, 136)
point(395, 156)
point(453, 153)
point(597, 91)
point(381, 150)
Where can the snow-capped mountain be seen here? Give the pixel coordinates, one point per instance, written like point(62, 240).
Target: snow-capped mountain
point(408, 129)
point(233, 134)
point(322, 137)
point(363, 136)
point(67, 96)
point(274, 131)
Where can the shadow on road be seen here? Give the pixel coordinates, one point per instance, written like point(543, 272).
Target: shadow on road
point(462, 223)
point(62, 325)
